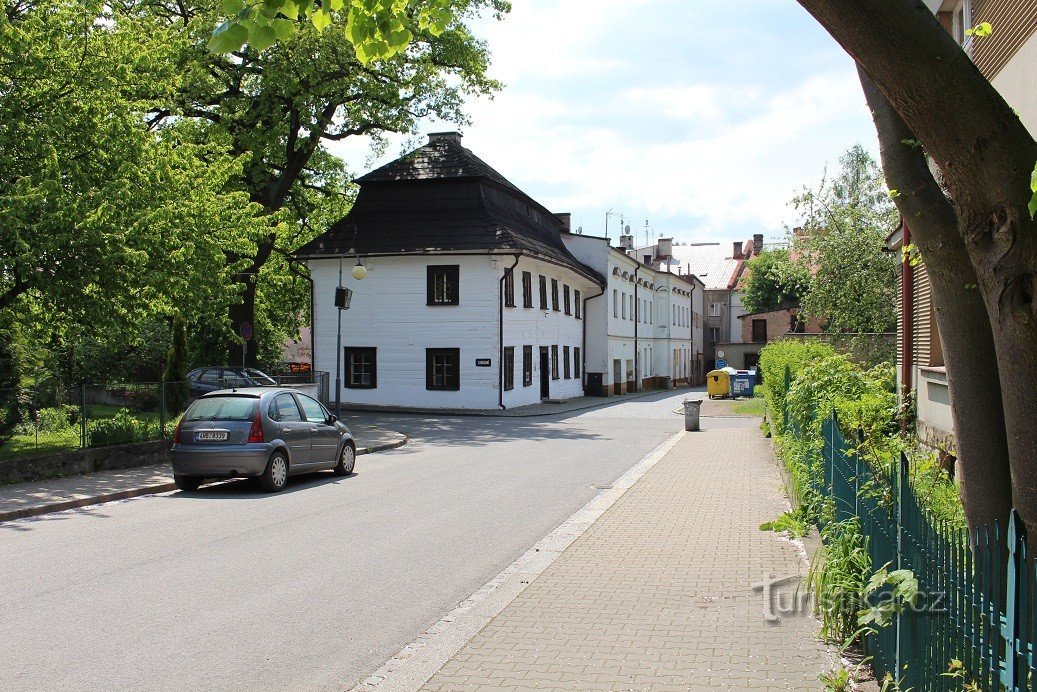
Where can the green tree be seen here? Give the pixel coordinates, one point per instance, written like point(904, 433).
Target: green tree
point(843, 243)
point(774, 281)
point(972, 223)
point(280, 107)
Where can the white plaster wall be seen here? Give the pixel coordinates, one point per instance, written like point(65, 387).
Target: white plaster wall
point(389, 312)
point(1017, 82)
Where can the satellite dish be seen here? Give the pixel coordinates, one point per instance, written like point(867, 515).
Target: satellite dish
point(628, 229)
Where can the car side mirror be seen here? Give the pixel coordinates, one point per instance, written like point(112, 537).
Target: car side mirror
point(332, 419)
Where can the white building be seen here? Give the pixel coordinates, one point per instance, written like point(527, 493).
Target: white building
point(646, 327)
point(471, 299)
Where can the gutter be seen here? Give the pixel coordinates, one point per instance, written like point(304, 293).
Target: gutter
point(500, 324)
point(637, 353)
point(907, 311)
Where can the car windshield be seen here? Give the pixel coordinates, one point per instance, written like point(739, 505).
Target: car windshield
point(258, 377)
point(222, 408)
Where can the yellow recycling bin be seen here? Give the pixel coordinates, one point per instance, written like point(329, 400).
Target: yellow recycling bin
point(718, 384)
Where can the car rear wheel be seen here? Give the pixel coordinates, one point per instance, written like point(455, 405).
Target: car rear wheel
point(346, 460)
point(275, 476)
point(187, 483)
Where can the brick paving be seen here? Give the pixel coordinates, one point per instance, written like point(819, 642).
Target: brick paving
point(658, 594)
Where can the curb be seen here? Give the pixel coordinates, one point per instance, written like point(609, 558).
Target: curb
point(480, 413)
point(419, 660)
point(154, 489)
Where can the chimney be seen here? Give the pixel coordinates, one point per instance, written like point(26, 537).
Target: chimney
point(665, 248)
point(566, 219)
point(454, 137)
point(626, 242)
point(757, 243)
point(737, 251)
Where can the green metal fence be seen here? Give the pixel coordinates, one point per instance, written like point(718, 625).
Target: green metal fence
point(977, 590)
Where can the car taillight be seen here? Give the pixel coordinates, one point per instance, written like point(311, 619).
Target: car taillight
point(176, 433)
point(255, 433)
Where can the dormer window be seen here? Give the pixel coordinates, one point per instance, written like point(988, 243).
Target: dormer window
point(443, 284)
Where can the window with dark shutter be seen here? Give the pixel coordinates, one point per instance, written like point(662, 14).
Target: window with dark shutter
point(527, 290)
point(361, 368)
point(527, 366)
point(566, 363)
point(577, 363)
point(443, 368)
point(509, 289)
point(543, 292)
point(509, 367)
point(443, 284)
point(579, 305)
point(554, 294)
point(568, 300)
point(554, 362)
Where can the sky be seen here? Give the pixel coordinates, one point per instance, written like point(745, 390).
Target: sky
point(703, 118)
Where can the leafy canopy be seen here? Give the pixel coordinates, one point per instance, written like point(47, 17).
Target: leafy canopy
point(774, 281)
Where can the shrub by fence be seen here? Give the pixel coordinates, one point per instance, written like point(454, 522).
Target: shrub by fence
point(936, 608)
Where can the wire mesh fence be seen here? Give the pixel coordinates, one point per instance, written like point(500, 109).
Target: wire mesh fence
point(50, 419)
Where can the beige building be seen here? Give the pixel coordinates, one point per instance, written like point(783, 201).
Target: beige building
point(1008, 58)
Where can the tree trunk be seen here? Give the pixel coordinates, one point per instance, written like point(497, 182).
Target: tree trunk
point(985, 156)
point(241, 313)
point(961, 315)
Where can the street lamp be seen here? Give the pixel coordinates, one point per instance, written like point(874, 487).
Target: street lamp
point(343, 297)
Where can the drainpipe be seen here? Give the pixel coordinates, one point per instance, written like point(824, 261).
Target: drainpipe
point(500, 323)
point(637, 353)
point(583, 338)
point(907, 314)
point(691, 332)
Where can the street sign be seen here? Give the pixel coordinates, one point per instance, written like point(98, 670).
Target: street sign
point(483, 362)
point(720, 353)
point(245, 330)
point(343, 297)
point(721, 364)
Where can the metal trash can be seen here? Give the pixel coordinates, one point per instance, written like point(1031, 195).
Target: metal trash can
point(691, 414)
point(743, 383)
point(718, 384)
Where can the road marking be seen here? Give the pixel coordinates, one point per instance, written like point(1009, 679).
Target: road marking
point(422, 658)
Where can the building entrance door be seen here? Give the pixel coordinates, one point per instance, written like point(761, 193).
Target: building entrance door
point(545, 373)
point(617, 376)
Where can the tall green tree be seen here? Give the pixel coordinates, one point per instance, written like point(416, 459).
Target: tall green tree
point(280, 107)
point(774, 282)
point(845, 223)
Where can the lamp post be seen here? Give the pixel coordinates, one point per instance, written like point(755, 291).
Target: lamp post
point(343, 296)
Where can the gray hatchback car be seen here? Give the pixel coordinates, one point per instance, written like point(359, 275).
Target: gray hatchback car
point(268, 432)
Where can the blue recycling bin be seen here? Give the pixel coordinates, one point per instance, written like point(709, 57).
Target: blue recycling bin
point(743, 382)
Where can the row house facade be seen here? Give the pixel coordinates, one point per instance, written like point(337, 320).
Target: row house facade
point(1008, 59)
point(471, 299)
point(645, 330)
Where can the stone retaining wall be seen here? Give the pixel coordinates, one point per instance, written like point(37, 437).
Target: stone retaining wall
point(75, 462)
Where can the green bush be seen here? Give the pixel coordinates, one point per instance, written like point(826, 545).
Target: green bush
point(120, 429)
point(774, 358)
point(54, 419)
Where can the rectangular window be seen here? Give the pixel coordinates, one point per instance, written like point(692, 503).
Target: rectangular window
point(651, 310)
point(554, 362)
point(443, 284)
point(565, 363)
point(714, 334)
point(631, 297)
point(554, 294)
point(579, 305)
point(624, 306)
point(714, 309)
point(361, 368)
point(567, 299)
point(509, 367)
point(527, 366)
point(543, 292)
point(577, 363)
point(527, 290)
point(443, 368)
point(615, 303)
point(509, 289)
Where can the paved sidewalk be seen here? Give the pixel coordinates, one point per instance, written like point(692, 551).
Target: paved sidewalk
point(657, 594)
point(21, 500)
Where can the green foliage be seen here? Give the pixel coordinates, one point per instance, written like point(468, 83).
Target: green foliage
point(774, 358)
point(54, 419)
point(836, 681)
point(845, 223)
point(10, 378)
point(903, 591)
point(1032, 206)
point(122, 428)
point(838, 578)
point(981, 30)
point(774, 281)
point(795, 523)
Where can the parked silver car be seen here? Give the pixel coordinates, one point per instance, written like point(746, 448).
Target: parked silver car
point(267, 432)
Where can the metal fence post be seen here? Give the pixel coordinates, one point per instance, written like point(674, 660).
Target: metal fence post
point(785, 402)
point(1011, 675)
point(82, 417)
point(161, 410)
point(901, 480)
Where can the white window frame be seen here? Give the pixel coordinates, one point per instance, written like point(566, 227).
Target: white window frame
point(714, 309)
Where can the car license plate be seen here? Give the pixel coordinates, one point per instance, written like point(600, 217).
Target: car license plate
point(212, 436)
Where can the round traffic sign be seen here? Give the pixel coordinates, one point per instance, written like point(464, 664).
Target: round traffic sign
point(245, 330)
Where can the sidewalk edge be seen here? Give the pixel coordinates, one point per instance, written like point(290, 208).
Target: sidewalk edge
point(153, 489)
point(419, 660)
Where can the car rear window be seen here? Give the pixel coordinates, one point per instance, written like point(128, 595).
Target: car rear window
point(223, 408)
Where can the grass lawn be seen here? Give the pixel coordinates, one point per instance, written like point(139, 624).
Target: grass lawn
point(756, 406)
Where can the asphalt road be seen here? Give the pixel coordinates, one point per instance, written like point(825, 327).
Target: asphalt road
point(312, 588)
